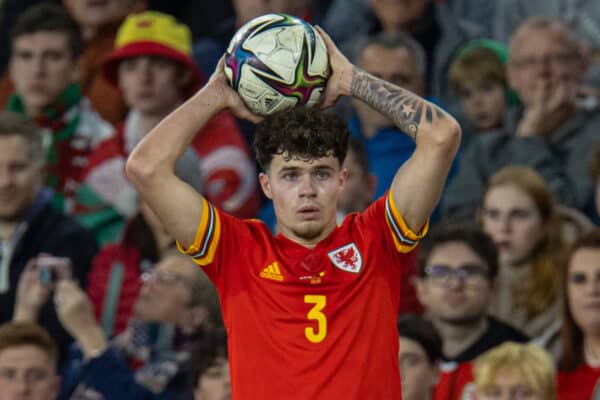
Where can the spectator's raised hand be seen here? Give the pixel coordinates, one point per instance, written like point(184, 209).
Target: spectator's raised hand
point(31, 294)
point(73, 307)
point(551, 106)
point(75, 312)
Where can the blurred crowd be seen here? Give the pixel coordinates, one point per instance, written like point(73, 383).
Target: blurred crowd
point(503, 296)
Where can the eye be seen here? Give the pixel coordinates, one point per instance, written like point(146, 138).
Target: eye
point(491, 213)
point(290, 176)
point(322, 174)
point(578, 278)
point(520, 214)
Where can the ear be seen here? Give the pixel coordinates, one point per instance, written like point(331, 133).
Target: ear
point(343, 177)
point(76, 73)
point(421, 290)
point(371, 185)
point(511, 76)
point(265, 185)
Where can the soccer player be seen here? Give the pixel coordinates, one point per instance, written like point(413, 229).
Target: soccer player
point(310, 313)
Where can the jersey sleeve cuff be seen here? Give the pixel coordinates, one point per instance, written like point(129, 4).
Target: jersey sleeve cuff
point(405, 240)
point(203, 249)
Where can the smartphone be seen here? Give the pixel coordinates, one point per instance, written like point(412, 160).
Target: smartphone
point(51, 269)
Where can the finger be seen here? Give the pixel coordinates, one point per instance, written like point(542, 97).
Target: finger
point(326, 38)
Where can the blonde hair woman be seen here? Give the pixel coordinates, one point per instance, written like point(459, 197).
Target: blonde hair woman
point(515, 371)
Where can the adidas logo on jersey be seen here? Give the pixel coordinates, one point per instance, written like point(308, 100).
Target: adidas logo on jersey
point(272, 272)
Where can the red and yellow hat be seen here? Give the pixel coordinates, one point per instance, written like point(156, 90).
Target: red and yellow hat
point(152, 33)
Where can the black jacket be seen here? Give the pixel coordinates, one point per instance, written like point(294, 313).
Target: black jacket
point(49, 231)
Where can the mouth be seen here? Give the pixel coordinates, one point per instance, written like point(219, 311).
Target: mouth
point(309, 212)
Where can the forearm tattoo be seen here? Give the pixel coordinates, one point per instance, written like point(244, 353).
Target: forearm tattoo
point(406, 109)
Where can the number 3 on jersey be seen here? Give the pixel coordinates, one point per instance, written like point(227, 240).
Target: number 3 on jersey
point(316, 314)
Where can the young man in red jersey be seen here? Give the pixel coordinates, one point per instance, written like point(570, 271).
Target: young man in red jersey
point(310, 312)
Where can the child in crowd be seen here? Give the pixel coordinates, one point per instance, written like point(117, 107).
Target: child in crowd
point(478, 77)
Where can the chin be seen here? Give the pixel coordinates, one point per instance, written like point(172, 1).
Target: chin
point(309, 230)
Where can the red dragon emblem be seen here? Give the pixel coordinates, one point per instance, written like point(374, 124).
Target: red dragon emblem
point(347, 258)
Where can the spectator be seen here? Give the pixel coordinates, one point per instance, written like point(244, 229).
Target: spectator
point(28, 362)
point(432, 24)
point(581, 16)
point(519, 214)
point(150, 360)
point(152, 66)
point(9, 11)
point(211, 369)
point(549, 133)
point(420, 352)
point(116, 271)
point(579, 366)
point(98, 22)
point(46, 49)
point(29, 225)
point(513, 370)
point(458, 266)
point(478, 78)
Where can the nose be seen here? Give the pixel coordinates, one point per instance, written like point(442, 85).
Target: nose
point(504, 223)
point(307, 186)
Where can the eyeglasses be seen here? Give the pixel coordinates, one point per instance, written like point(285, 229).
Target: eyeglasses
point(552, 59)
point(165, 278)
point(469, 274)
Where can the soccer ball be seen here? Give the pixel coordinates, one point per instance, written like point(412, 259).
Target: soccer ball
point(275, 62)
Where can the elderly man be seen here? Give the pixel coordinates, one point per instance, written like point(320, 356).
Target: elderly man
point(549, 133)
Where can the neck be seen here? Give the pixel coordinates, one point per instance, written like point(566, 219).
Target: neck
point(7, 228)
point(457, 337)
point(591, 350)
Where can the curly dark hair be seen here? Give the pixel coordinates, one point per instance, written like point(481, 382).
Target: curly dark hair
point(302, 132)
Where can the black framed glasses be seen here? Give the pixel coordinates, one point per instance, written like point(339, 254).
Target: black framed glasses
point(469, 274)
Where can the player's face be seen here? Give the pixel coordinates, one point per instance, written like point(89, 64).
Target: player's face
point(41, 67)
point(583, 289)
point(305, 195)
point(166, 292)
point(20, 177)
point(151, 85)
point(510, 217)
point(27, 373)
point(454, 299)
point(484, 105)
point(509, 384)
point(397, 66)
point(214, 384)
point(417, 374)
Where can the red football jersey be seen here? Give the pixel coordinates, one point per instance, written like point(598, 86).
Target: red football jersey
point(309, 323)
point(579, 384)
point(456, 382)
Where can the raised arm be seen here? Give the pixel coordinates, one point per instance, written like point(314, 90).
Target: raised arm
point(150, 166)
point(418, 184)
